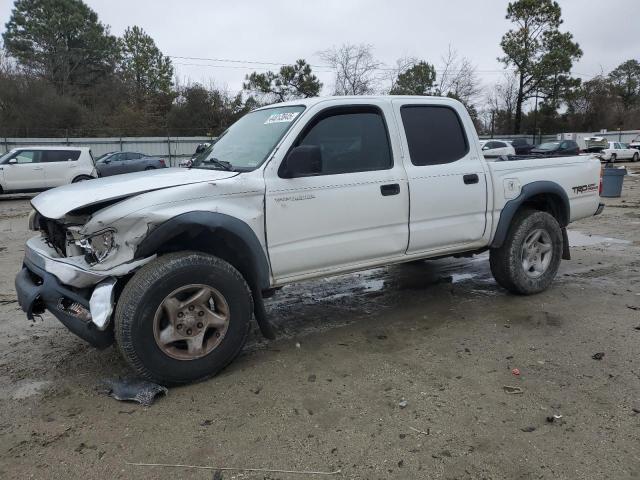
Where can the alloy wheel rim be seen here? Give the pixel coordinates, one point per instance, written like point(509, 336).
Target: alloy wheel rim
point(537, 252)
point(191, 322)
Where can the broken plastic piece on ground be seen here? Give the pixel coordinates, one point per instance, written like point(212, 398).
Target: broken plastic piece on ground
point(510, 389)
point(516, 371)
point(403, 403)
point(598, 356)
point(135, 390)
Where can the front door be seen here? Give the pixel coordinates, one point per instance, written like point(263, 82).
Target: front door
point(446, 174)
point(23, 171)
point(354, 212)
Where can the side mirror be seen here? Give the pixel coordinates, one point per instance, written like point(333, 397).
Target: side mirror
point(302, 161)
point(13, 161)
point(107, 160)
point(485, 148)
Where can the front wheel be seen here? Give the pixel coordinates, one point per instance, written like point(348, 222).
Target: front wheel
point(183, 318)
point(613, 158)
point(635, 157)
point(528, 260)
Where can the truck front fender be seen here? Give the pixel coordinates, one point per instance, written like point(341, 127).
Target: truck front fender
point(192, 224)
point(534, 191)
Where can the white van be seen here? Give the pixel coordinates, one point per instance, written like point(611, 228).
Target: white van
point(39, 168)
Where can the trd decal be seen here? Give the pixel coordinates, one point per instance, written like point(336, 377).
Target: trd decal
point(592, 187)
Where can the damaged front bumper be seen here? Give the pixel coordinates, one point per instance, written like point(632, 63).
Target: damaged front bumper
point(83, 300)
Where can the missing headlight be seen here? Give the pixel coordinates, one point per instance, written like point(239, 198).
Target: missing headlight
point(98, 246)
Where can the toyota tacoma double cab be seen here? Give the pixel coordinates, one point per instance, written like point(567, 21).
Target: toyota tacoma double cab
point(173, 265)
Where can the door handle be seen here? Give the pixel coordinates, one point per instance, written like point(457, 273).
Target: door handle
point(391, 189)
point(38, 168)
point(470, 178)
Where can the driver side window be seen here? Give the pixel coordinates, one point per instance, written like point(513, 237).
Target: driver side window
point(27, 156)
point(350, 140)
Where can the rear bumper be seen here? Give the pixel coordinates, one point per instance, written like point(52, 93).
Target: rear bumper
point(38, 290)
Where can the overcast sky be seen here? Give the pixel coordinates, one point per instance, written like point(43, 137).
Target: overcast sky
point(285, 30)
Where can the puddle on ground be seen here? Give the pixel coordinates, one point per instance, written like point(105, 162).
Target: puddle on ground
point(579, 239)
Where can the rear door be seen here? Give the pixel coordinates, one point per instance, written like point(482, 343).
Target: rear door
point(59, 166)
point(447, 178)
point(355, 211)
point(26, 173)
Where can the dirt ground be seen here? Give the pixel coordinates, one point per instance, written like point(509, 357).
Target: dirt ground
point(328, 394)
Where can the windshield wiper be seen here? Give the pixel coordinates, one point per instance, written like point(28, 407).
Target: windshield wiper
point(221, 163)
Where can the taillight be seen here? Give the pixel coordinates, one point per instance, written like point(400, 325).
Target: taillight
point(600, 186)
point(162, 163)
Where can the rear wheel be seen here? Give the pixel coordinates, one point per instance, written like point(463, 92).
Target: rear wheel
point(529, 258)
point(150, 168)
point(183, 318)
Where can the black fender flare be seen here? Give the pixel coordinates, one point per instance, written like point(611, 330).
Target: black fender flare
point(212, 222)
point(528, 191)
point(242, 234)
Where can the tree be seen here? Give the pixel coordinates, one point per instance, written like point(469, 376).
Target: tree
point(625, 79)
point(292, 81)
point(355, 69)
point(417, 79)
point(542, 55)
point(145, 70)
point(61, 41)
point(459, 79)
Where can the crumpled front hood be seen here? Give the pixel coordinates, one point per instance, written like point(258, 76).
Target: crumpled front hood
point(58, 202)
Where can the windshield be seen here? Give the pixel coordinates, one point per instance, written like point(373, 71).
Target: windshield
point(102, 157)
point(6, 156)
point(248, 142)
point(548, 146)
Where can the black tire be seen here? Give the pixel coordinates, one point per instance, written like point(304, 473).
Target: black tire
point(150, 286)
point(150, 168)
point(81, 178)
point(614, 157)
point(635, 157)
point(507, 261)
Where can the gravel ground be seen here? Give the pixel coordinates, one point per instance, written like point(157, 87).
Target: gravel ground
point(390, 373)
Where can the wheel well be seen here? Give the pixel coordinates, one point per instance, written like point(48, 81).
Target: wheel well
point(221, 244)
point(550, 203)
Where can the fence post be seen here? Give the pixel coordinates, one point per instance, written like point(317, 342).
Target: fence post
point(6, 145)
point(169, 149)
point(120, 142)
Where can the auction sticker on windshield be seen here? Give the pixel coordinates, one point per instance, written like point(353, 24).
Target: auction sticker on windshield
point(285, 117)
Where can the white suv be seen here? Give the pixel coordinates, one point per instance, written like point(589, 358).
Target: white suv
point(39, 168)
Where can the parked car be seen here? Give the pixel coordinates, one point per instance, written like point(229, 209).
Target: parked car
point(174, 264)
point(496, 148)
point(595, 144)
point(562, 148)
point(619, 151)
point(521, 146)
point(39, 168)
point(115, 163)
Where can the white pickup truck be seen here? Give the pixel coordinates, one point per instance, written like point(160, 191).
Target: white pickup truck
point(173, 264)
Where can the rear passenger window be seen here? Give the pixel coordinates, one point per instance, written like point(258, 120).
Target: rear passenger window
point(434, 134)
point(60, 155)
point(351, 140)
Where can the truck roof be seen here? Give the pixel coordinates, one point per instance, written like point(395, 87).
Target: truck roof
point(308, 102)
